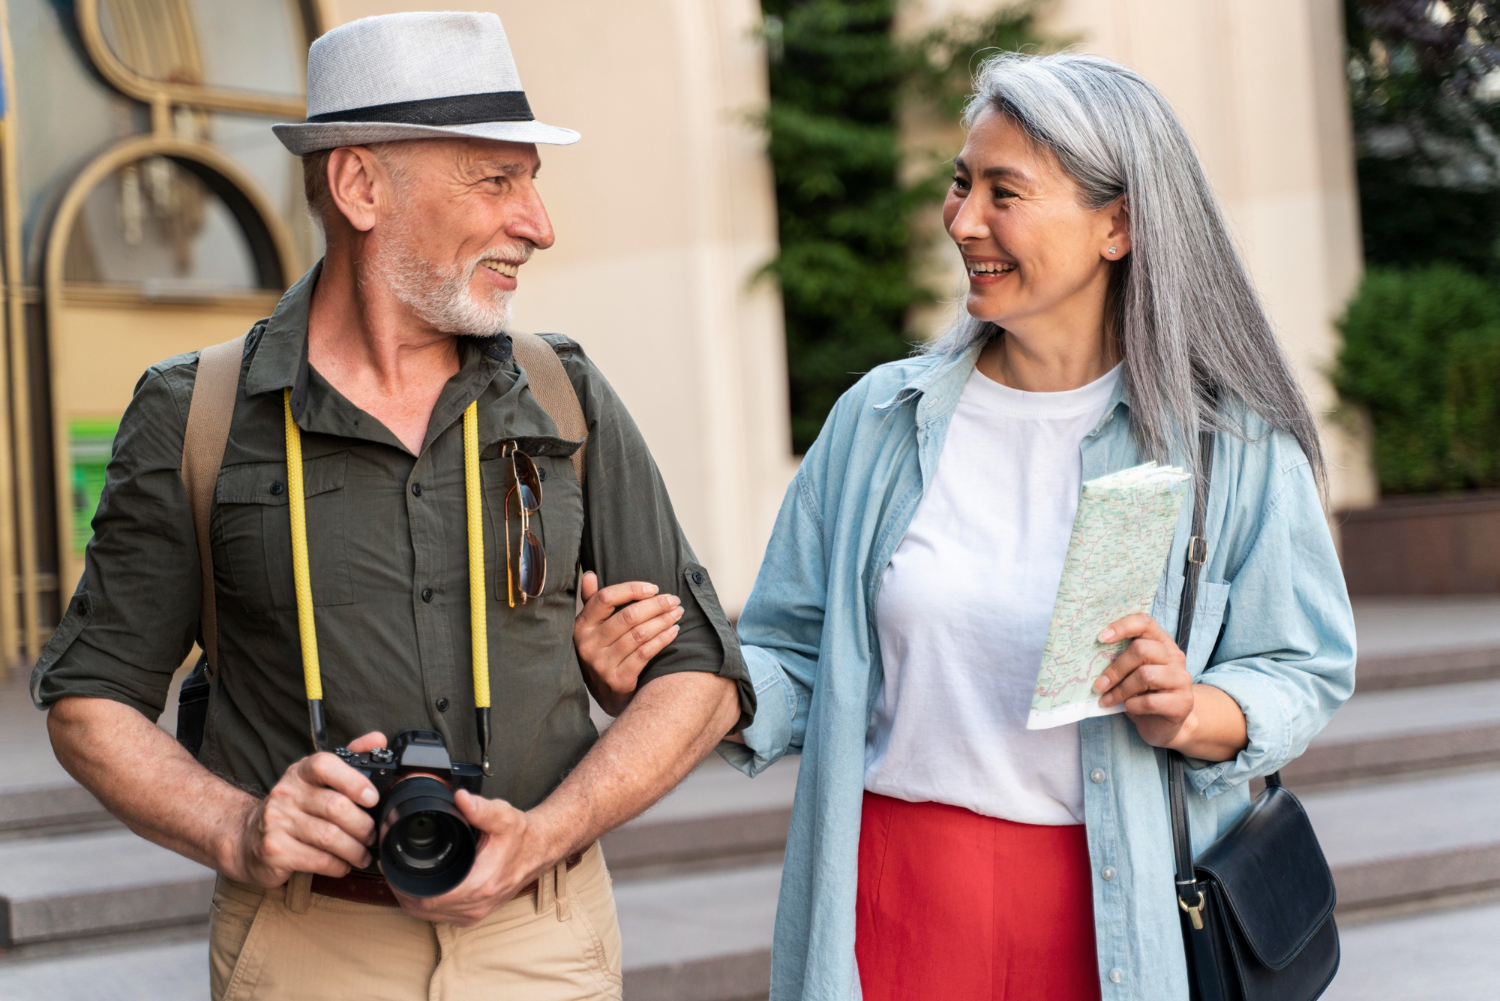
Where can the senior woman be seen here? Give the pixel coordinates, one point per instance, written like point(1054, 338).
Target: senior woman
point(938, 848)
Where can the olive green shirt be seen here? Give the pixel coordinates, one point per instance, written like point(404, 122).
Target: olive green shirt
point(388, 548)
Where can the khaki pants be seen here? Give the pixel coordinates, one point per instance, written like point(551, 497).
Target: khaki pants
point(561, 943)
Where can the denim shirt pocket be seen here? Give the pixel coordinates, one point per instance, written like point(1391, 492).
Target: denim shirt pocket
point(1208, 616)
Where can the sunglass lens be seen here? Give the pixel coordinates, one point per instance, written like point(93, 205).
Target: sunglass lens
point(533, 565)
point(529, 482)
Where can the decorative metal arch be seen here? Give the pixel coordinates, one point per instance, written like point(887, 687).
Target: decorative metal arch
point(272, 251)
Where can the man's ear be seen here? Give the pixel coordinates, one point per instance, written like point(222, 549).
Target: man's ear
point(360, 185)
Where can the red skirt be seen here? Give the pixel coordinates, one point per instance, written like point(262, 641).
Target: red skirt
point(955, 906)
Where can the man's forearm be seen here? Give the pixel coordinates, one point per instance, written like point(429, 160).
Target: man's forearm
point(670, 725)
point(148, 780)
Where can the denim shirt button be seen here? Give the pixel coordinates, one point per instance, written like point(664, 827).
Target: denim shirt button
point(1116, 975)
point(1107, 873)
point(1096, 776)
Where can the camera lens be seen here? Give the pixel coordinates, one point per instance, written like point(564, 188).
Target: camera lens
point(426, 846)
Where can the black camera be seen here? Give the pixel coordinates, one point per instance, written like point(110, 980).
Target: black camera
point(426, 847)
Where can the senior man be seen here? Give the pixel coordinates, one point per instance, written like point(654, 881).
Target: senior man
point(419, 162)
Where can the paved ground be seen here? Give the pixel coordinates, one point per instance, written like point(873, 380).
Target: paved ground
point(1450, 955)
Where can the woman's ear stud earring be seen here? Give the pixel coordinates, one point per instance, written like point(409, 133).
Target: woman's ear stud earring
point(1111, 251)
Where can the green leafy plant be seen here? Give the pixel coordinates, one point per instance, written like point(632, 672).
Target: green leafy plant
point(1421, 355)
point(846, 265)
point(1426, 117)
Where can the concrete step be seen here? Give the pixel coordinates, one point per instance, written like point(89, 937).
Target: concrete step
point(1410, 841)
point(1446, 956)
point(699, 937)
point(716, 818)
point(32, 809)
point(80, 885)
point(1404, 730)
point(1435, 667)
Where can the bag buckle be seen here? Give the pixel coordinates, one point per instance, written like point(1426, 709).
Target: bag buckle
point(1195, 911)
point(1197, 550)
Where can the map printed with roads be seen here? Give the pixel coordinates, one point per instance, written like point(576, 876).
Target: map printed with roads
point(1121, 537)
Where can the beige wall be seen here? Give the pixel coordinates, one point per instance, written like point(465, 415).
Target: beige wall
point(664, 213)
point(1259, 86)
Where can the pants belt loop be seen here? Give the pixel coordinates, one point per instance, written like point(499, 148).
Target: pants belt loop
point(299, 892)
point(544, 894)
point(564, 905)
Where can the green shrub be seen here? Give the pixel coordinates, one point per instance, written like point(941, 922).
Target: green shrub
point(1421, 355)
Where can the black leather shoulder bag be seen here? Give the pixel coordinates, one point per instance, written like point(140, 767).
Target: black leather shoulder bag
point(1257, 906)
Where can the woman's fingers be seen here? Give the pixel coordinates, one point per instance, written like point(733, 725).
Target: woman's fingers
point(1150, 677)
point(601, 604)
point(1142, 651)
point(631, 652)
point(1139, 624)
point(632, 666)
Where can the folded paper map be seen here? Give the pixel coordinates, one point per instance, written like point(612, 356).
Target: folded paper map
point(1121, 537)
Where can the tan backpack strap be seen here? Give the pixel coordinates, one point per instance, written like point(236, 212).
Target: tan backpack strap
point(553, 390)
point(209, 414)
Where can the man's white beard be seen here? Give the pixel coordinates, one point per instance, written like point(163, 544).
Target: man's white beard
point(441, 297)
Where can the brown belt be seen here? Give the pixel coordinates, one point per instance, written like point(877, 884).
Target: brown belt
point(369, 888)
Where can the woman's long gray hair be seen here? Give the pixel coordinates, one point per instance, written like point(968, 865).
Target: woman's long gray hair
point(1190, 324)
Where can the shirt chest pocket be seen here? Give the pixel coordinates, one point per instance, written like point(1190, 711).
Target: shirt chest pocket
point(253, 534)
point(1208, 617)
point(558, 525)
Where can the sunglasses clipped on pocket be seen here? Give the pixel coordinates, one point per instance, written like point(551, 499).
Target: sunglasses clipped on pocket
point(526, 568)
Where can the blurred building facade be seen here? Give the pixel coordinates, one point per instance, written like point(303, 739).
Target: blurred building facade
point(148, 210)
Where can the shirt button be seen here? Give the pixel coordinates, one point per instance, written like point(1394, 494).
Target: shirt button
point(277, 489)
point(426, 594)
point(1096, 776)
point(1107, 873)
point(1116, 975)
point(416, 489)
point(442, 705)
point(697, 577)
point(541, 473)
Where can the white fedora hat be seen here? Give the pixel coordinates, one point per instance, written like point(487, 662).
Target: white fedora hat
point(415, 76)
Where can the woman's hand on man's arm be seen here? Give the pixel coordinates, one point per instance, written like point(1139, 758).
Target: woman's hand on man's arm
point(1150, 677)
point(619, 630)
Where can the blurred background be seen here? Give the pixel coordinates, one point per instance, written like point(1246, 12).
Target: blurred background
point(753, 211)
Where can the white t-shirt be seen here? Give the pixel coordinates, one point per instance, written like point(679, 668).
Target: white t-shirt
point(964, 606)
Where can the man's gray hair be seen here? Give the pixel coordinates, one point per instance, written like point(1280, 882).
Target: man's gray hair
point(1189, 322)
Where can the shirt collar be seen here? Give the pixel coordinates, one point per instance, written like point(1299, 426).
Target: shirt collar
point(280, 362)
point(936, 388)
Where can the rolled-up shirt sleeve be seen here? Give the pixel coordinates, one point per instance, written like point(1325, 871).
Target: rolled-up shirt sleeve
point(134, 615)
point(782, 629)
point(631, 533)
point(1286, 654)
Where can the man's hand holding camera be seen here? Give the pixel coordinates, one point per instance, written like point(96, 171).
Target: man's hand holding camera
point(313, 820)
point(513, 851)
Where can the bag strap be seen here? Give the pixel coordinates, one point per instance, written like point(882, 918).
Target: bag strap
point(553, 389)
point(209, 415)
point(1197, 554)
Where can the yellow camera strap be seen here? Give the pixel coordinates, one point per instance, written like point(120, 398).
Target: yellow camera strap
point(474, 505)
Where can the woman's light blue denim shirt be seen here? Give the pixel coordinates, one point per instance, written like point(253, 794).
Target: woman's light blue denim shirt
point(1273, 629)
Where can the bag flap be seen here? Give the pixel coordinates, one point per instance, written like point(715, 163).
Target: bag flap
point(1274, 880)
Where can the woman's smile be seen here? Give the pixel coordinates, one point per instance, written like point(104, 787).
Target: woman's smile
point(987, 271)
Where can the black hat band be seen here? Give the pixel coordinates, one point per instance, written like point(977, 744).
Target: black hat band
point(466, 109)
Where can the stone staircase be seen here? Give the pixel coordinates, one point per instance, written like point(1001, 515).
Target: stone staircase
point(1403, 787)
